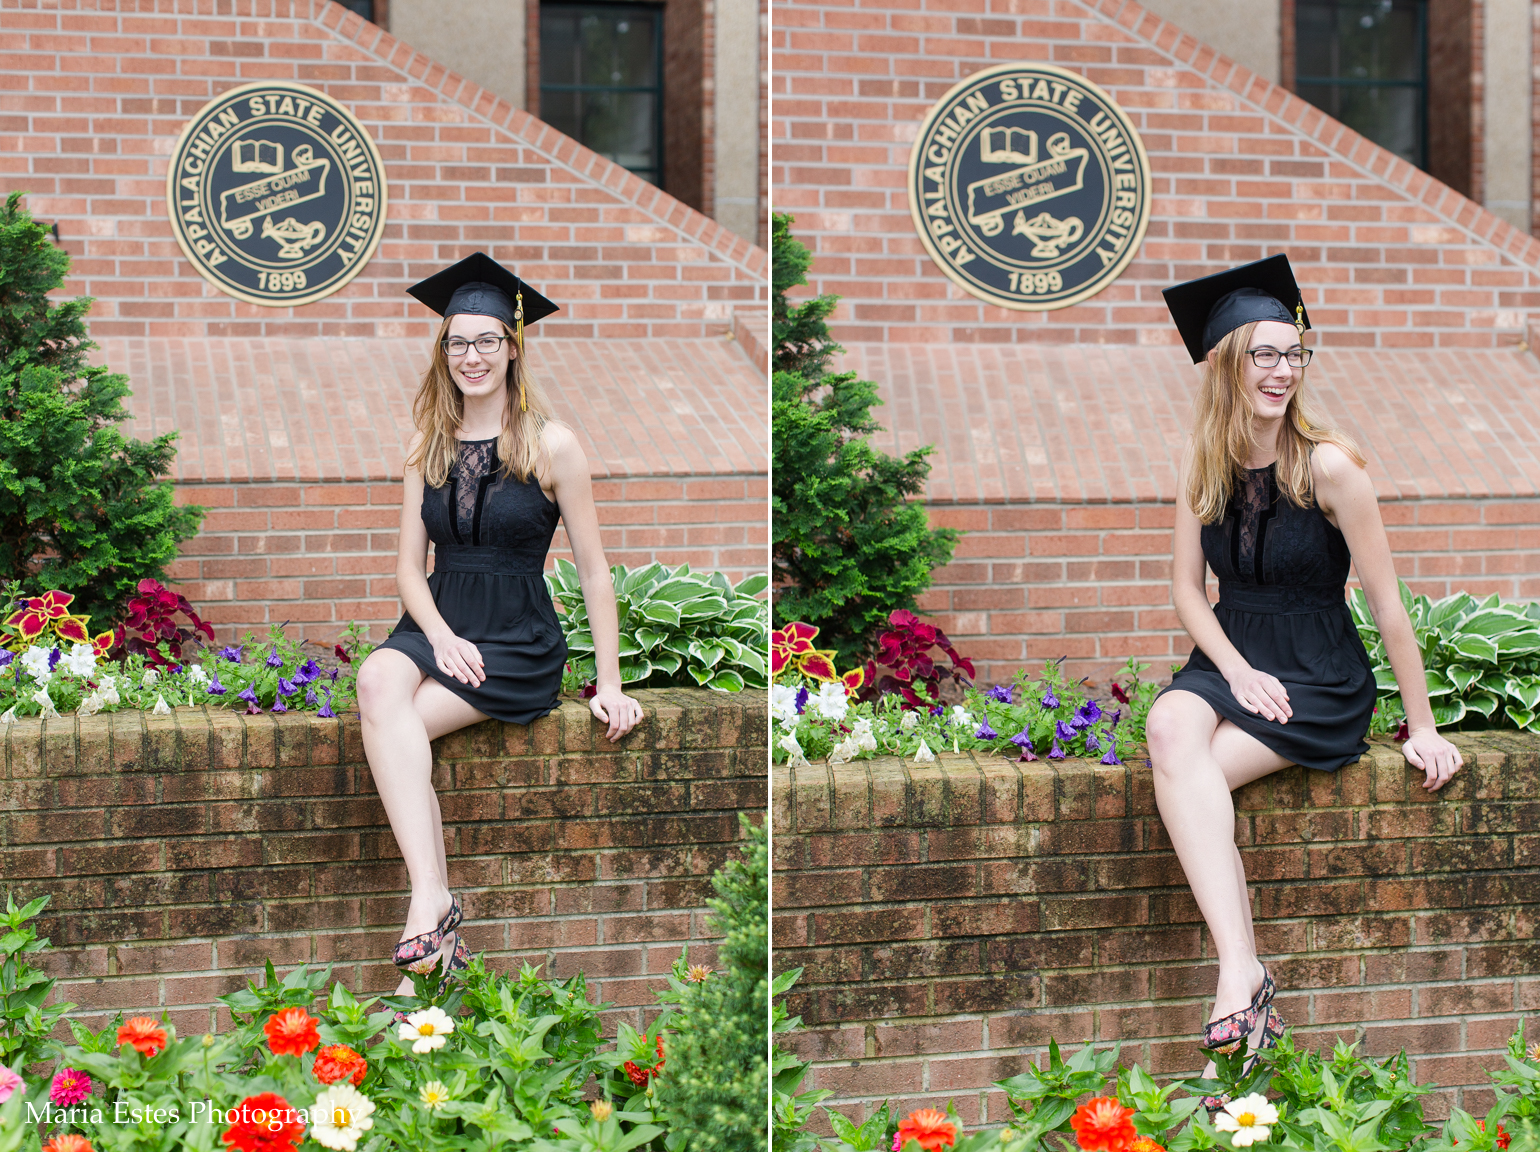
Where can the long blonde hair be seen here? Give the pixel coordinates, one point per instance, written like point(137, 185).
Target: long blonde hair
point(1222, 434)
point(439, 407)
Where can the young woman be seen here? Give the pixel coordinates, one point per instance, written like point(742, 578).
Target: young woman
point(1277, 506)
point(488, 473)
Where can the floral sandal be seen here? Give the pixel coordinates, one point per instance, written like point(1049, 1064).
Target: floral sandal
point(409, 954)
point(1224, 1035)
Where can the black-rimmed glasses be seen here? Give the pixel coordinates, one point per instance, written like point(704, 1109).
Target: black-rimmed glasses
point(486, 345)
point(1269, 357)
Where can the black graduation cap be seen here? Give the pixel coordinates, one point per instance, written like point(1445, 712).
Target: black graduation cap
point(1209, 309)
point(480, 286)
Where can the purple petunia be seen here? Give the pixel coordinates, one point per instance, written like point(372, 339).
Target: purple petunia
point(1077, 722)
point(231, 652)
point(1049, 699)
point(279, 706)
point(801, 702)
point(274, 660)
point(937, 710)
point(1064, 731)
point(248, 695)
point(1024, 742)
point(326, 712)
point(307, 672)
point(215, 688)
point(1091, 710)
point(6, 656)
point(1056, 753)
point(286, 687)
point(1117, 714)
point(985, 732)
point(1092, 744)
point(53, 659)
point(1000, 692)
point(334, 673)
point(310, 697)
point(1112, 754)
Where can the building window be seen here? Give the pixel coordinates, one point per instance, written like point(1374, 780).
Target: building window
point(1365, 63)
point(601, 81)
point(364, 8)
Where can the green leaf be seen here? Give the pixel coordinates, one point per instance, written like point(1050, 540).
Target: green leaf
point(1476, 647)
point(727, 681)
point(1521, 717)
point(703, 608)
point(1461, 676)
point(1448, 712)
point(701, 676)
point(1519, 643)
point(1484, 702)
point(1525, 691)
point(580, 641)
point(661, 613)
point(1438, 683)
point(752, 585)
point(1384, 678)
point(634, 670)
point(1493, 622)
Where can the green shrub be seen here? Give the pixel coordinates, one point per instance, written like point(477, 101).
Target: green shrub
point(677, 628)
point(83, 508)
point(1481, 658)
point(849, 547)
point(716, 1081)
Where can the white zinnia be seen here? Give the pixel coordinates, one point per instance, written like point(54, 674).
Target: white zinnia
point(923, 754)
point(427, 1029)
point(795, 757)
point(91, 705)
point(339, 1116)
point(1250, 1119)
point(43, 699)
point(783, 703)
point(910, 722)
point(81, 660)
point(34, 662)
point(832, 701)
point(161, 707)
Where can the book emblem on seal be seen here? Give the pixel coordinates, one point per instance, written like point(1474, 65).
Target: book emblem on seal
point(276, 194)
point(1029, 186)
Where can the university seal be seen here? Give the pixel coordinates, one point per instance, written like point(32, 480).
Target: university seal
point(276, 194)
point(1029, 187)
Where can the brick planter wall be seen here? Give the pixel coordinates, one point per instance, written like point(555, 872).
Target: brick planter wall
point(183, 851)
point(953, 918)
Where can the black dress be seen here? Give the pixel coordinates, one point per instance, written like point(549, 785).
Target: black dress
point(1282, 572)
point(490, 534)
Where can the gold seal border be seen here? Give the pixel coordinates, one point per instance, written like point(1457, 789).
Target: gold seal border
point(343, 114)
point(1113, 271)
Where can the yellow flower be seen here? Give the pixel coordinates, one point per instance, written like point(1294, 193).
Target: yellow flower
point(697, 973)
point(433, 1095)
point(601, 1109)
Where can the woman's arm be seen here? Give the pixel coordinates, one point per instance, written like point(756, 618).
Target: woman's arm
point(1346, 494)
point(459, 658)
point(1256, 691)
point(574, 494)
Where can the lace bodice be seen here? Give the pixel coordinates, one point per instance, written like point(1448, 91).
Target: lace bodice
point(1266, 539)
point(479, 506)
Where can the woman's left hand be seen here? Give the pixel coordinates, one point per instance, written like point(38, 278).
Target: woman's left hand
point(616, 709)
point(1427, 750)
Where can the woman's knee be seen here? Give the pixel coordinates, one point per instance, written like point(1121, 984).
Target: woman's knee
point(386, 682)
point(1174, 730)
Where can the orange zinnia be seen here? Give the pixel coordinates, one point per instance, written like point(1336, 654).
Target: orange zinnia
point(1104, 1125)
point(144, 1035)
point(68, 1142)
point(1145, 1144)
point(291, 1032)
point(928, 1127)
point(339, 1062)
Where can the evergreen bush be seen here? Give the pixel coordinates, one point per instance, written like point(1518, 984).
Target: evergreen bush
point(849, 546)
point(716, 1079)
point(83, 508)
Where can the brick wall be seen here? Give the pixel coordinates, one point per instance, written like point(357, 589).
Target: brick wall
point(1387, 256)
point(94, 92)
point(319, 556)
point(952, 918)
point(184, 851)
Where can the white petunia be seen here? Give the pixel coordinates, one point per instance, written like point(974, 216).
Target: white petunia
point(109, 692)
point(845, 751)
point(149, 678)
point(91, 705)
point(1250, 1119)
point(832, 701)
point(910, 722)
point(34, 662)
point(960, 716)
point(923, 754)
point(783, 703)
point(861, 733)
point(9, 717)
point(161, 707)
point(427, 1029)
point(45, 701)
point(81, 660)
point(795, 757)
point(339, 1116)
point(197, 675)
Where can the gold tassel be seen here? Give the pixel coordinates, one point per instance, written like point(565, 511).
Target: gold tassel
point(518, 338)
point(1299, 316)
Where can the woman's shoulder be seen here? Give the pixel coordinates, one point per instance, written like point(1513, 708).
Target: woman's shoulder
point(557, 437)
point(1329, 460)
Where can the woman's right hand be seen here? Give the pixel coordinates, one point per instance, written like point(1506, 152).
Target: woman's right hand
point(459, 658)
point(1260, 692)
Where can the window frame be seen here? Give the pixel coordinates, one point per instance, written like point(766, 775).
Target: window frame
point(1419, 85)
point(654, 11)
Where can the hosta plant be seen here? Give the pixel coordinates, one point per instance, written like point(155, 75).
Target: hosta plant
point(678, 628)
point(1481, 659)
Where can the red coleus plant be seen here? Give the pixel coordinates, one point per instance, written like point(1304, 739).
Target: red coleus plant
point(150, 621)
point(915, 674)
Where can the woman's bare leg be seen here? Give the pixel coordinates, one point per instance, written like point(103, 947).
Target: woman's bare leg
point(1198, 761)
point(403, 711)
